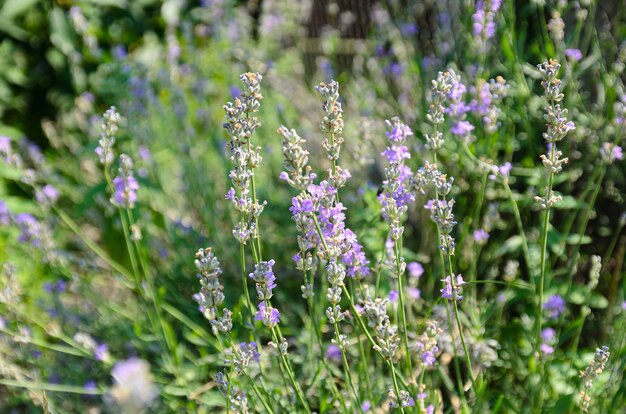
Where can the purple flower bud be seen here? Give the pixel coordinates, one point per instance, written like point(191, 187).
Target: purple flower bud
point(481, 236)
point(333, 352)
point(415, 269)
point(554, 306)
point(573, 54)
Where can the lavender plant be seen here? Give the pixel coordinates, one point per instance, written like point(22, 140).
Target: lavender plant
point(351, 296)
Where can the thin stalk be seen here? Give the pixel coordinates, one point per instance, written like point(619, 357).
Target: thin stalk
point(152, 292)
point(257, 392)
point(403, 310)
point(544, 248)
point(455, 362)
point(348, 377)
point(450, 325)
point(459, 326)
point(395, 385)
point(245, 372)
point(290, 373)
point(244, 282)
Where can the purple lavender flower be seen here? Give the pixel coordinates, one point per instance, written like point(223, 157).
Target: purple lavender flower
point(4, 213)
point(102, 352)
point(462, 128)
point(90, 385)
point(548, 335)
point(399, 133)
point(250, 349)
point(452, 293)
point(429, 358)
point(409, 29)
point(57, 287)
point(573, 54)
point(366, 406)
point(235, 91)
point(125, 191)
point(481, 236)
point(415, 270)
point(268, 315)
point(30, 229)
point(393, 296)
point(5, 146)
point(554, 306)
point(504, 170)
point(333, 352)
point(48, 195)
point(546, 349)
point(264, 278)
point(119, 52)
point(394, 69)
point(395, 154)
point(414, 293)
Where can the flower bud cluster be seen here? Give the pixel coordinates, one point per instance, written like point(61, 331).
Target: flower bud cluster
point(426, 343)
point(440, 88)
point(457, 108)
point(452, 287)
point(556, 27)
point(484, 26)
point(211, 295)
point(246, 352)
point(237, 398)
point(297, 173)
point(265, 283)
point(487, 97)
point(557, 128)
point(387, 339)
point(239, 128)
point(109, 127)
point(332, 123)
point(441, 213)
point(404, 400)
point(595, 368)
point(594, 272)
point(125, 184)
point(396, 194)
point(609, 153)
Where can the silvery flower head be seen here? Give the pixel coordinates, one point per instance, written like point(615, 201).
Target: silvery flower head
point(109, 127)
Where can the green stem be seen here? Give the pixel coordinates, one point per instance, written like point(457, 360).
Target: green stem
point(459, 326)
point(544, 248)
point(290, 373)
point(405, 328)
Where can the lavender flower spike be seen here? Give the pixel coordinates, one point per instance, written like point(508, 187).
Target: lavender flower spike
point(125, 184)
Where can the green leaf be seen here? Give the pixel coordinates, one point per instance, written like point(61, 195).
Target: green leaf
point(598, 301)
point(13, 8)
point(578, 295)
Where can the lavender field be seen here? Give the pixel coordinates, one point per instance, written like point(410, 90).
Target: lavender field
point(315, 206)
